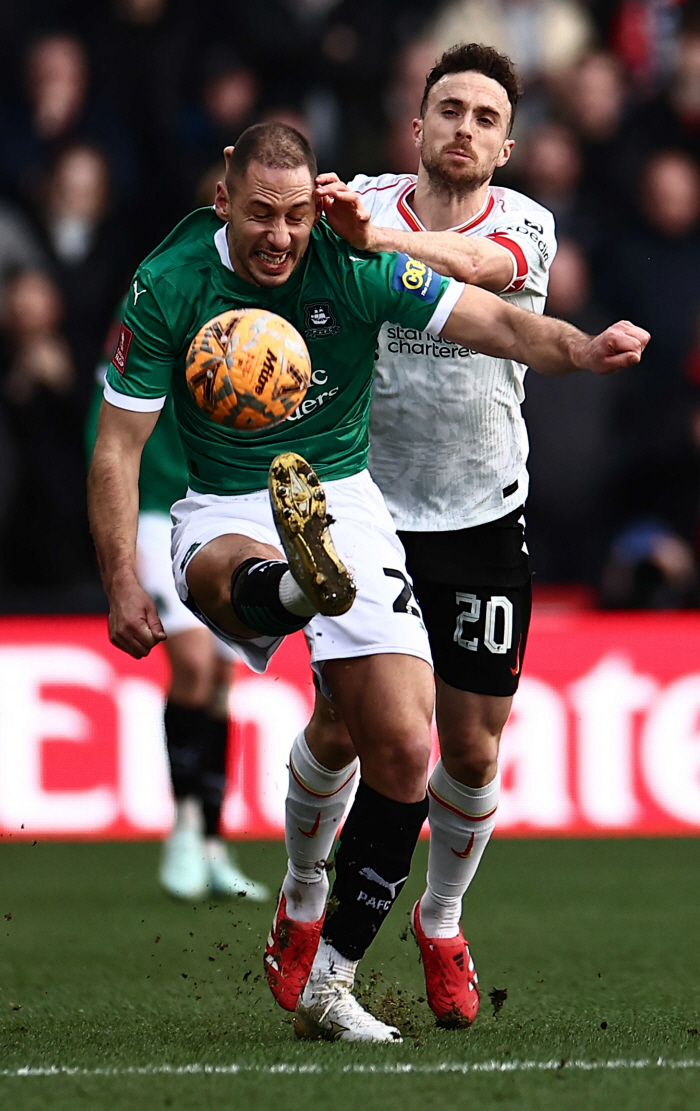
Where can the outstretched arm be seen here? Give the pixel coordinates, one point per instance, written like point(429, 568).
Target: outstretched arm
point(491, 325)
point(472, 259)
point(113, 504)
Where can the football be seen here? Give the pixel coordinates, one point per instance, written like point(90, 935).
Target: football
point(248, 369)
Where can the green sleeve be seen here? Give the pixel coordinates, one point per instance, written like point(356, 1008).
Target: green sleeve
point(151, 338)
point(398, 289)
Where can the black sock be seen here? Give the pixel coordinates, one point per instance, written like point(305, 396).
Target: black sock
point(185, 733)
point(256, 601)
point(372, 863)
point(213, 774)
point(197, 745)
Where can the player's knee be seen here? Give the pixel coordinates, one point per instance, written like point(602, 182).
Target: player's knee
point(191, 680)
point(471, 758)
point(400, 758)
point(210, 590)
point(327, 735)
point(330, 743)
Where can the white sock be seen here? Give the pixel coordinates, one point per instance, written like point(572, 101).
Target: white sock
point(188, 814)
point(293, 598)
point(216, 850)
point(316, 801)
point(330, 965)
point(462, 820)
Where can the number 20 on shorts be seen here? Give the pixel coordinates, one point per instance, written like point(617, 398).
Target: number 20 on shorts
point(471, 615)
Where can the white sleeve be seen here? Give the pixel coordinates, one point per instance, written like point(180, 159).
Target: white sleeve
point(134, 404)
point(361, 182)
point(530, 239)
point(379, 194)
point(444, 307)
point(366, 187)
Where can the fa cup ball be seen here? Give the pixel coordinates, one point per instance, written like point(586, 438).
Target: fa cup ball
point(248, 369)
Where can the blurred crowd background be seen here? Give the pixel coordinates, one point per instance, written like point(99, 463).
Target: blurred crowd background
point(113, 116)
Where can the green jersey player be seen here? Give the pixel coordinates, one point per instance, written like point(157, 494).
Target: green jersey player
point(195, 860)
point(372, 658)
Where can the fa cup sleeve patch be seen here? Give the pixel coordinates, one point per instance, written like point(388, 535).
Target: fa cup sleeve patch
point(411, 276)
point(121, 351)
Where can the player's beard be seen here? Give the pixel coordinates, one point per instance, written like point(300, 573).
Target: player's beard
point(451, 181)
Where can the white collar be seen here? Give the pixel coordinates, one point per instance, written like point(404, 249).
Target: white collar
point(221, 243)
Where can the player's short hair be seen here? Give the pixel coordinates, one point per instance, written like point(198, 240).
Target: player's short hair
point(474, 56)
point(274, 145)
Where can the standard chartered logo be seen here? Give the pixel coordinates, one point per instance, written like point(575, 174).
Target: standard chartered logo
point(310, 405)
point(414, 274)
point(410, 341)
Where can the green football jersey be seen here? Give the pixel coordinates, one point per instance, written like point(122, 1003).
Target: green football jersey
point(338, 298)
point(163, 474)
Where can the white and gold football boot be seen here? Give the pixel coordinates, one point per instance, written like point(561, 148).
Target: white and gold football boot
point(328, 1010)
point(299, 509)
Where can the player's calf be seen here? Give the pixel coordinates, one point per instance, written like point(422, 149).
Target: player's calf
point(316, 800)
point(371, 866)
point(266, 599)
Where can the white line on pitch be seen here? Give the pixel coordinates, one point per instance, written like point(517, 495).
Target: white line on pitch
point(398, 1069)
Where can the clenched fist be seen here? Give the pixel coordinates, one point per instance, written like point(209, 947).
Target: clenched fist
point(619, 346)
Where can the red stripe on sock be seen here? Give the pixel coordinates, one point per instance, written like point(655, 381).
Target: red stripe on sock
point(456, 810)
point(318, 794)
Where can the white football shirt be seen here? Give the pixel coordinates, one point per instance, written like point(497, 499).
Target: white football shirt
point(448, 444)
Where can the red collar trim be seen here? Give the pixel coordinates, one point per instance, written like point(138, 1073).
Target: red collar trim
point(406, 211)
point(412, 220)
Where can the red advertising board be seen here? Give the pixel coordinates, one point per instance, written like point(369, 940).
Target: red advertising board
point(604, 737)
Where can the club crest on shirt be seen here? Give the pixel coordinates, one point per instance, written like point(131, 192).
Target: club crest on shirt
point(412, 276)
point(320, 320)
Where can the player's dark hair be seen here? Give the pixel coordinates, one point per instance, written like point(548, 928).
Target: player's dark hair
point(474, 56)
point(274, 145)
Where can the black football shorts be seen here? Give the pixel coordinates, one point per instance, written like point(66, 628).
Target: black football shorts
point(473, 586)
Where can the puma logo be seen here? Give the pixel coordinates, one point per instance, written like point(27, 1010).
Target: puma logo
point(370, 874)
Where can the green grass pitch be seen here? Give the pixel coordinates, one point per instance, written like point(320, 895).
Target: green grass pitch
point(597, 944)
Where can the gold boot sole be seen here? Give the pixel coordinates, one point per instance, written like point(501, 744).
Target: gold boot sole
point(299, 509)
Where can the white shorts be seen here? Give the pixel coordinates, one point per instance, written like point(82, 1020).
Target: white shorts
point(384, 617)
point(155, 572)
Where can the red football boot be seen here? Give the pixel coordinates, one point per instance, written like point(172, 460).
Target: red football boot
point(289, 954)
point(450, 979)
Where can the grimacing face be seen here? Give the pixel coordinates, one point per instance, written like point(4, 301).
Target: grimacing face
point(463, 136)
point(270, 214)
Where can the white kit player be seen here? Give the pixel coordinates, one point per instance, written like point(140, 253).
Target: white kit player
point(448, 450)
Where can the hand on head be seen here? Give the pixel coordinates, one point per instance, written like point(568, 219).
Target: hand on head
point(344, 211)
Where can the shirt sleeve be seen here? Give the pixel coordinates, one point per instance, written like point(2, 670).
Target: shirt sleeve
point(399, 289)
point(366, 187)
point(379, 194)
point(141, 365)
point(530, 239)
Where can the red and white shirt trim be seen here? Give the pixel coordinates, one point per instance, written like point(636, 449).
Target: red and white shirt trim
point(520, 266)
